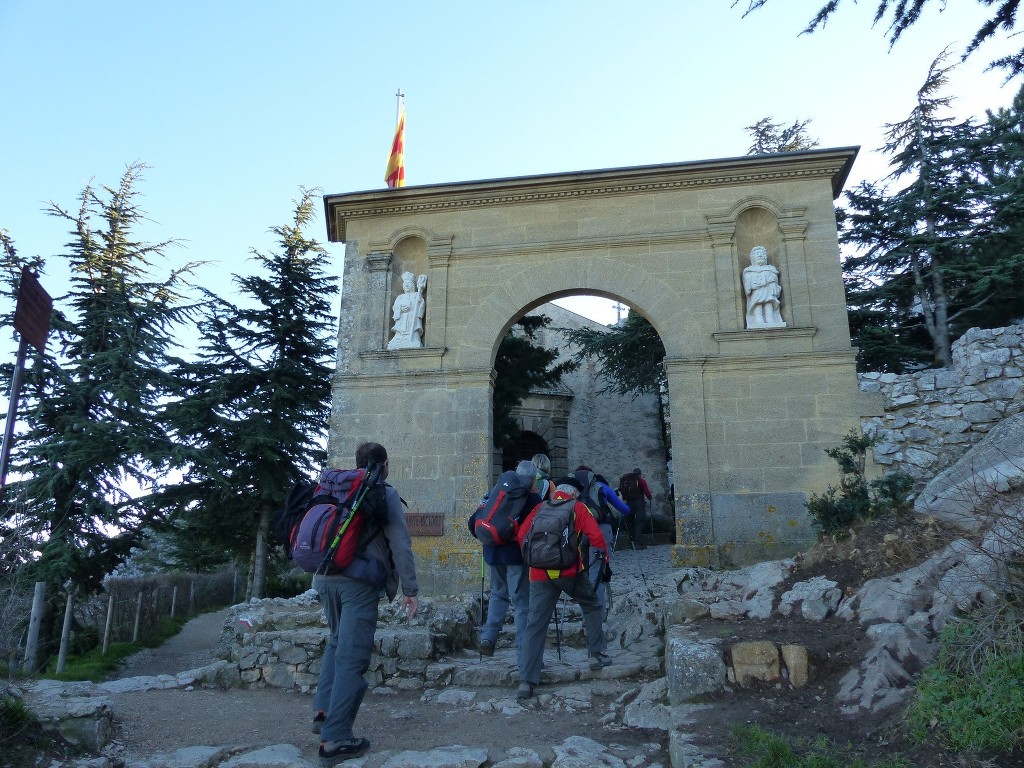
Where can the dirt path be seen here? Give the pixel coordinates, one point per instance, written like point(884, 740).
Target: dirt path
point(161, 721)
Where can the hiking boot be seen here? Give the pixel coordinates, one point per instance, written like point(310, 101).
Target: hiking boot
point(525, 691)
point(598, 662)
point(318, 721)
point(486, 649)
point(342, 750)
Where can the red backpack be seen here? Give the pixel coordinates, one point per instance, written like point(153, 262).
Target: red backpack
point(327, 539)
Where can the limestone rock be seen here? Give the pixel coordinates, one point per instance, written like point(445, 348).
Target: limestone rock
point(993, 466)
point(694, 667)
point(757, 660)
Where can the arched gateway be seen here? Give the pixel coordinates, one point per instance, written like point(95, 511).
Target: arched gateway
point(755, 396)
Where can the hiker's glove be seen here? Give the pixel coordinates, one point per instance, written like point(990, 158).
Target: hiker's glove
point(606, 571)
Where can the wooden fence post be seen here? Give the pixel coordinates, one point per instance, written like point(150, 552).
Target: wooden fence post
point(35, 619)
point(110, 619)
point(138, 617)
point(65, 633)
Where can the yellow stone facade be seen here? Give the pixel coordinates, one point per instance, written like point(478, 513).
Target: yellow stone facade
point(752, 411)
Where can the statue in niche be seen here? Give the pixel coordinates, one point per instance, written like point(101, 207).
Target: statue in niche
point(408, 312)
point(761, 286)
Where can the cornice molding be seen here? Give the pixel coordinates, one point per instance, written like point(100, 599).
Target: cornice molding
point(784, 361)
point(833, 164)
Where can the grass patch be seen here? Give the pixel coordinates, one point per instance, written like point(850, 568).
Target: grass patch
point(96, 667)
point(762, 749)
point(15, 718)
point(971, 698)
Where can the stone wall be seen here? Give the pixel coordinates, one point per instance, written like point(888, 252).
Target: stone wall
point(933, 416)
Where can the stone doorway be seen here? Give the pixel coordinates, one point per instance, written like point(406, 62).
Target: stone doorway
point(755, 406)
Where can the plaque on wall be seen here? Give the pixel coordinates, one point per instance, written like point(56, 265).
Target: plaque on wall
point(425, 523)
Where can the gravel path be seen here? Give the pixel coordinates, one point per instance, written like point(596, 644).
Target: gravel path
point(162, 721)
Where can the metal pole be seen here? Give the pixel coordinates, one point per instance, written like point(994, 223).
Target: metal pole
point(12, 411)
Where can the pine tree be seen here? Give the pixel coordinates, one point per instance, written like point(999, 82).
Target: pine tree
point(769, 137)
point(90, 438)
point(631, 355)
point(917, 261)
point(520, 366)
point(255, 418)
point(905, 14)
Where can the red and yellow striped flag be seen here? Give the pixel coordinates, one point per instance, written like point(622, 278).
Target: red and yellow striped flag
point(395, 176)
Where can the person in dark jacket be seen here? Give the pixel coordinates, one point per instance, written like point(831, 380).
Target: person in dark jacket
point(350, 600)
point(509, 583)
point(547, 586)
point(635, 492)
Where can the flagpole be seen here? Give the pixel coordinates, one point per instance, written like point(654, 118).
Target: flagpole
point(398, 106)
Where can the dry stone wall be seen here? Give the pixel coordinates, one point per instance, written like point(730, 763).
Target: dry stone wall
point(933, 416)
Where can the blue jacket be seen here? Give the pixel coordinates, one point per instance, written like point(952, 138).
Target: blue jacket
point(507, 554)
point(612, 498)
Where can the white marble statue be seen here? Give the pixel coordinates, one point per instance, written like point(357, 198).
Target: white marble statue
point(408, 312)
point(761, 286)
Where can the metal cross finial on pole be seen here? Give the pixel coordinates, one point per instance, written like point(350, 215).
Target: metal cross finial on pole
point(398, 109)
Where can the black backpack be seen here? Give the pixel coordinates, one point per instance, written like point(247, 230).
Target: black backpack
point(498, 515)
point(552, 542)
point(629, 485)
point(287, 518)
point(591, 497)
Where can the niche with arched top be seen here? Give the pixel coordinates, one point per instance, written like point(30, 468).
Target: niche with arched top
point(759, 226)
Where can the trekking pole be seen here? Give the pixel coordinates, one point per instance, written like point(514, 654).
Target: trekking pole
point(480, 627)
point(372, 476)
point(558, 632)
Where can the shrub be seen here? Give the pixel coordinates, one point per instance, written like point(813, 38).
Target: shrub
point(971, 697)
point(855, 499)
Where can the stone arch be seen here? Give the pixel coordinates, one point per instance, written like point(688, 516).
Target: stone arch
point(503, 305)
point(754, 410)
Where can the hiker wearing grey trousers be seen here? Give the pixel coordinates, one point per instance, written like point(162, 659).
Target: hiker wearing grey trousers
point(384, 559)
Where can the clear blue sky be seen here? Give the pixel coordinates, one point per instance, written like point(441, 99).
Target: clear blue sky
point(234, 105)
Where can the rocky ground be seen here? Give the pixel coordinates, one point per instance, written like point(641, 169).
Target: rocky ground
point(155, 722)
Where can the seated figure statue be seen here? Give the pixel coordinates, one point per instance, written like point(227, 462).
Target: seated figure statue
point(763, 292)
point(407, 313)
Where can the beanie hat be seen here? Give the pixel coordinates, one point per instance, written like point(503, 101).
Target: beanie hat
point(568, 480)
point(527, 469)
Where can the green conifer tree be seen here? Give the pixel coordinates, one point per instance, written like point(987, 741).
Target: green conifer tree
point(90, 440)
point(255, 418)
point(918, 244)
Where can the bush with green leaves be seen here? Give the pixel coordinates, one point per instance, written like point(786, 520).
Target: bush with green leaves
point(856, 499)
point(971, 697)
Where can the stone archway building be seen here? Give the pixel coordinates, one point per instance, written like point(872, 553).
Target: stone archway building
point(752, 411)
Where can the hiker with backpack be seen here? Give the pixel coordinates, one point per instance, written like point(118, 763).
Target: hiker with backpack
point(634, 491)
point(551, 538)
point(495, 522)
point(600, 500)
point(545, 488)
point(382, 559)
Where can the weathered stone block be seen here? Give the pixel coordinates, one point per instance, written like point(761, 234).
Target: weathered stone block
point(756, 660)
point(796, 659)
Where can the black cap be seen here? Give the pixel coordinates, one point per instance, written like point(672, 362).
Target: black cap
point(568, 480)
